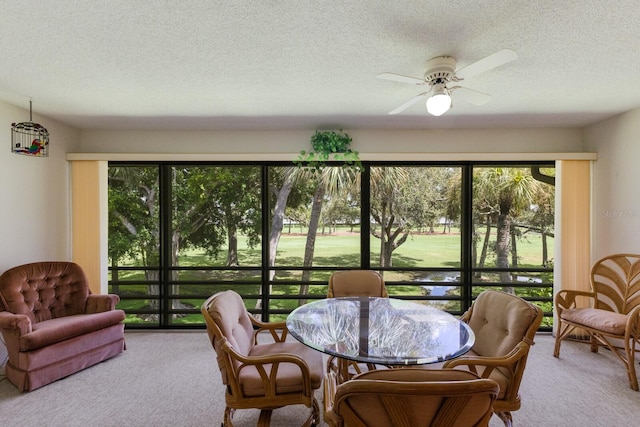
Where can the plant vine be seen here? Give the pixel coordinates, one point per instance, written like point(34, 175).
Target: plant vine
point(329, 146)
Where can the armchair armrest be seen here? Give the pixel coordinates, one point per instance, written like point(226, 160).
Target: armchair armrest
point(19, 323)
point(278, 330)
point(13, 327)
point(566, 299)
point(490, 363)
point(101, 303)
point(267, 366)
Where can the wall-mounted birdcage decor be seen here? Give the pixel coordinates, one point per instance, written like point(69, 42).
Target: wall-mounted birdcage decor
point(29, 139)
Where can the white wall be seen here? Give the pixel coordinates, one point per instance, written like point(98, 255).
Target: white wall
point(616, 201)
point(34, 194)
point(364, 141)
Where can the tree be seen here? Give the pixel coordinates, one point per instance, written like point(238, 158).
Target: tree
point(336, 183)
point(209, 207)
point(134, 221)
point(281, 187)
point(508, 192)
point(404, 199)
point(541, 217)
point(218, 203)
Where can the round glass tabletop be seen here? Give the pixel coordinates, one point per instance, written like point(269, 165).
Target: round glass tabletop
point(380, 330)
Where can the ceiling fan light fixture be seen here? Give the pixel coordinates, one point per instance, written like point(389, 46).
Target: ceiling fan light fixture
point(440, 101)
point(440, 71)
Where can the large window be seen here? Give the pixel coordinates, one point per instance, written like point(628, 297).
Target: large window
point(439, 234)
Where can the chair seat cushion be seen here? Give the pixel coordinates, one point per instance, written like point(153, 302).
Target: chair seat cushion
point(593, 318)
point(289, 379)
point(62, 328)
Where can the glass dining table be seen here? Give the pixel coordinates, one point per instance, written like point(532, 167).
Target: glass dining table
point(382, 331)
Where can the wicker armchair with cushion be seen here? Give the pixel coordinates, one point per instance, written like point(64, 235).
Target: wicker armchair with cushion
point(52, 325)
point(504, 326)
point(264, 376)
point(613, 318)
point(408, 398)
point(356, 283)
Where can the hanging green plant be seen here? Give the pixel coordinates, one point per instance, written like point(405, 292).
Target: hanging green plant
point(329, 146)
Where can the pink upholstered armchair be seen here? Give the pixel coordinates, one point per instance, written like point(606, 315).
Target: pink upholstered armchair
point(52, 325)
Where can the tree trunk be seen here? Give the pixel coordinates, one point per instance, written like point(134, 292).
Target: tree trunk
point(309, 248)
point(386, 251)
point(385, 242)
point(485, 246)
point(175, 274)
point(232, 253)
point(115, 288)
point(545, 250)
point(150, 256)
point(154, 294)
point(503, 243)
point(277, 224)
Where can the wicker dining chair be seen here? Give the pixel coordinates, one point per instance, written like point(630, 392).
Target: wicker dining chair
point(265, 376)
point(613, 318)
point(356, 283)
point(504, 326)
point(410, 397)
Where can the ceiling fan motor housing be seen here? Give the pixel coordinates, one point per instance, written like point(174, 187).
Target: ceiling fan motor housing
point(440, 69)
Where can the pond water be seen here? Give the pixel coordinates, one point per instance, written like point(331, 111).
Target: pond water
point(438, 290)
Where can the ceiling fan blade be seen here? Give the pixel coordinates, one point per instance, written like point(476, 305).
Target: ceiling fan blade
point(471, 96)
point(401, 78)
point(494, 60)
point(409, 103)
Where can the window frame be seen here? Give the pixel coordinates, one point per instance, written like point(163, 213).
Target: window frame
point(467, 270)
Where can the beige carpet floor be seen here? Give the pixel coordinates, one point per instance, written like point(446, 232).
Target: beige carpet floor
point(172, 379)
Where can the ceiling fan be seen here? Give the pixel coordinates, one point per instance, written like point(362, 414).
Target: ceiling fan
point(440, 72)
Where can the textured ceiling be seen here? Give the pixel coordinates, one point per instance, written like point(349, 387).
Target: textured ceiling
point(278, 64)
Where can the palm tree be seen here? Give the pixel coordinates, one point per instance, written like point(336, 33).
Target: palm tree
point(509, 192)
point(331, 182)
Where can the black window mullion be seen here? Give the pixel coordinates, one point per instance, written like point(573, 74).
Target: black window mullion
point(266, 232)
point(365, 215)
point(166, 229)
point(466, 223)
